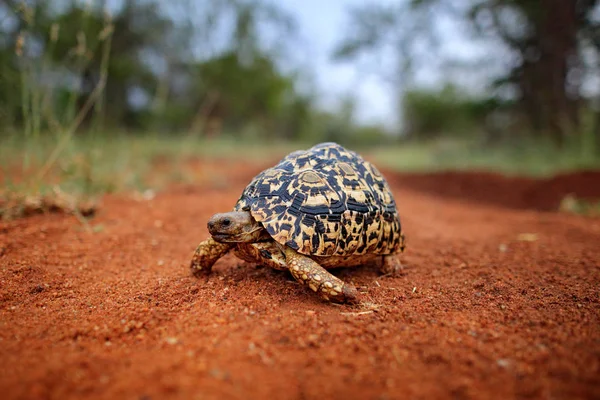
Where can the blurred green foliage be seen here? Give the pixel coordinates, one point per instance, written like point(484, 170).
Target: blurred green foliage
point(204, 68)
point(447, 112)
point(163, 73)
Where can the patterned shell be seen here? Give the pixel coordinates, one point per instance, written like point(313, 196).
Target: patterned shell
point(325, 201)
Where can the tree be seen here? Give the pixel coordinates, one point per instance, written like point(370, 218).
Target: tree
point(243, 91)
point(158, 65)
point(543, 40)
point(67, 51)
point(139, 32)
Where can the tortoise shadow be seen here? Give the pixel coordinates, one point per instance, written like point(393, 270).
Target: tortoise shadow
point(239, 271)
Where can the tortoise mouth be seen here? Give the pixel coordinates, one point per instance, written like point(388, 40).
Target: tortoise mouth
point(255, 235)
point(223, 238)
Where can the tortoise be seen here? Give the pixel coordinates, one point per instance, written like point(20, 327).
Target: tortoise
point(317, 209)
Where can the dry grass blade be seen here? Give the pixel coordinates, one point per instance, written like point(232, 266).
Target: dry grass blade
point(18, 205)
point(355, 314)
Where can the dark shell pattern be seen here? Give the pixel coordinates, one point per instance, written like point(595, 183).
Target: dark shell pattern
point(325, 201)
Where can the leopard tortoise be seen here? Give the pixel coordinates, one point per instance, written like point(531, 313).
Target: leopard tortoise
point(317, 209)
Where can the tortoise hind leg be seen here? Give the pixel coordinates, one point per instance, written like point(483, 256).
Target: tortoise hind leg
point(206, 254)
point(390, 265)
point(308, 272)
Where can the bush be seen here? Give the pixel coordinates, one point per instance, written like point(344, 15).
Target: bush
point(447, 112)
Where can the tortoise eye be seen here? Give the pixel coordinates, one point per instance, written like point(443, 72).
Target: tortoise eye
point(226, 222)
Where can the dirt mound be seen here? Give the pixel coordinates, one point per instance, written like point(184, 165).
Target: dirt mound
point(509, 192)
point(494, 302)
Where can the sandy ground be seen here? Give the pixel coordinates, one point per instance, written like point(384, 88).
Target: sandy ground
point(499, 298)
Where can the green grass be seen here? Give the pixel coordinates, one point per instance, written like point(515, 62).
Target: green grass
point(95, 164)
point(572, 204)
point(529, 158)
point(90, 166)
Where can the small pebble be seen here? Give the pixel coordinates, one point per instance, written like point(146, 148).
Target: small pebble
point(171, 340)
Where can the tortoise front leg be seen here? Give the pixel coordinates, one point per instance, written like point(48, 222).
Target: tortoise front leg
point(265, 253)
point(206, 254)
point(308, 272)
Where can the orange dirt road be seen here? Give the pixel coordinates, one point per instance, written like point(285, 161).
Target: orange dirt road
point(499, 298)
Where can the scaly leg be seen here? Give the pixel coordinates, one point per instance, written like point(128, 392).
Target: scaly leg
point(265, 253)
point(308, 272)
point(390, 265)
point(206, 254)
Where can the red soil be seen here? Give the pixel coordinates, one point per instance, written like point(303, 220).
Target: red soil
point(495, 189)
point(481, 310)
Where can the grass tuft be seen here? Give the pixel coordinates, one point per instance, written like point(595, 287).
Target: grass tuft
point(574, 205)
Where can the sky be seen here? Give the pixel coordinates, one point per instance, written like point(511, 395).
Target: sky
point(323, 24)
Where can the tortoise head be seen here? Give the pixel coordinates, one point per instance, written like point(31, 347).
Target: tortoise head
point(235, 227)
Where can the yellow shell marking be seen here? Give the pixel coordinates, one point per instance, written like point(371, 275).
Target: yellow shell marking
point(311, 177)
point(346, 169)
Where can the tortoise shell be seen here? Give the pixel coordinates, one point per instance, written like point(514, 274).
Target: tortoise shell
point(325, 201)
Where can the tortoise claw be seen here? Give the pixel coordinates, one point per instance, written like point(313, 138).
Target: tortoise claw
point(308, 272)
point(350, 294)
